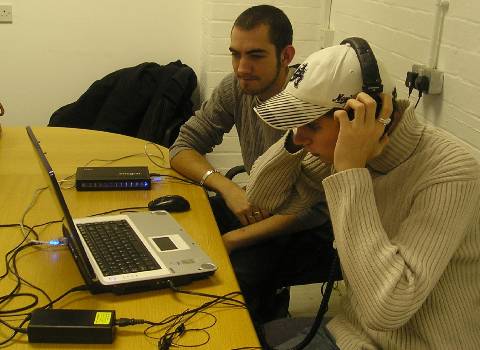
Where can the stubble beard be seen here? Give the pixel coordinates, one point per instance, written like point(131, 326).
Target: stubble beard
point(265, 88)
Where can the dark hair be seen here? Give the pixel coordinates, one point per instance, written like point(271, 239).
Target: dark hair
point(280, 28)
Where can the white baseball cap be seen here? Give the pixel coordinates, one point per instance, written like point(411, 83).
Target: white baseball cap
point(324, 81)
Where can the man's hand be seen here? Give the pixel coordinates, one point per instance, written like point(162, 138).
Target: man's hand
point(193, 165)
point(236, 200)
point(361, 139)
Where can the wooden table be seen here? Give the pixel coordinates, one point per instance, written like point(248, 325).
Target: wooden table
point(54, 270)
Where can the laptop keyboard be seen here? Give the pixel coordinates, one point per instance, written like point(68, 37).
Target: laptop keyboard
point(117, 248)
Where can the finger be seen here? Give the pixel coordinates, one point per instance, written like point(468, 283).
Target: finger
point(358, 111)
point(387, 105)
point(370, 106)
point(260, 214)
point(257, 214)
point(380, 125)
point(251, 219)
point(265, 213)
point(384, 117)
point(341, 116)
point(243, 218)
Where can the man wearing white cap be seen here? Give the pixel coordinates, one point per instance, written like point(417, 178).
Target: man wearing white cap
point(404, 205)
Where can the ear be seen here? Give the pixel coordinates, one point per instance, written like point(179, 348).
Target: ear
point(287, 55)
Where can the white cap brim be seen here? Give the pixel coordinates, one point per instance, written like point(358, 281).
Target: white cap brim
point(284, 111)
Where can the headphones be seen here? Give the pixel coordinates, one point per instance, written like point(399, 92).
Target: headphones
point(372, 83)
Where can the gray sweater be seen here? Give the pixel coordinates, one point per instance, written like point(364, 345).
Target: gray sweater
point(407, 231)
point(228, 106)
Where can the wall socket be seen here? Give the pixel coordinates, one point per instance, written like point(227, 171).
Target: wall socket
point(6, 13)
point(435, 78)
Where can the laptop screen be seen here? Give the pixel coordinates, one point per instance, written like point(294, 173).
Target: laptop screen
point(69, 230)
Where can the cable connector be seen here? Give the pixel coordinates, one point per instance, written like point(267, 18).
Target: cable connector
point(124, 322)
point(156, 179)
point(172, 286)
point(180, 329)
point(421, 84)
point(53, 242)
point(58, 241)
point(410, 81)
point(165, 344)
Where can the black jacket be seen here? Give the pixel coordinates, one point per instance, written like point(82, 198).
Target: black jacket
point(148, 101)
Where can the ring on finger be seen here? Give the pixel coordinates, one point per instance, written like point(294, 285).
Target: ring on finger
point(384, 121)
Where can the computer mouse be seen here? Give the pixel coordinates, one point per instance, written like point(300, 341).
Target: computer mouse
point(173, 203)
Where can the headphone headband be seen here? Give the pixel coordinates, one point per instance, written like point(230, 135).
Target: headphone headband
point(372, 83)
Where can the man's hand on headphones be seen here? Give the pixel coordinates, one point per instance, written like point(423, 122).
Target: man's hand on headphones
point(360, 139)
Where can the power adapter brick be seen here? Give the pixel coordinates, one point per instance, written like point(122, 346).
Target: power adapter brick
point(71, 326)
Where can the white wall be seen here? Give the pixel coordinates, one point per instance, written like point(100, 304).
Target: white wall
point(54, 50)
point(400, 33)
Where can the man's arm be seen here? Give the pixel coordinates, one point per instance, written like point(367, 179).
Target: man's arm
point(193, 165)
point(203, 131)
point(199, 135)
point(273, 226)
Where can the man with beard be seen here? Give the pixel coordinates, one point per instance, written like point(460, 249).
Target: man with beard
point(261, 49)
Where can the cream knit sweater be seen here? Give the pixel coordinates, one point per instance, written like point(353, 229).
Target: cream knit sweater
point(407, 231)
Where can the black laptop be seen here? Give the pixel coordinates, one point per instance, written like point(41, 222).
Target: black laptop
point(128, 252)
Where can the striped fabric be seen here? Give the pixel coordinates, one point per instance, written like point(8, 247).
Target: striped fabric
point(284, 111)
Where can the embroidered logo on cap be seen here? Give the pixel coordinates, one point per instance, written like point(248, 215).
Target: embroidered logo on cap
point(297, 76)
point(342, 99)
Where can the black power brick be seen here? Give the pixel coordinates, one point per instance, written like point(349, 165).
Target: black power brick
point(71, 326)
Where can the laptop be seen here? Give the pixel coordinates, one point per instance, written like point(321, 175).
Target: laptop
point(130, 252)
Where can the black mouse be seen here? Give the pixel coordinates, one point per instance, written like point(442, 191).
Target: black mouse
point(174, 203)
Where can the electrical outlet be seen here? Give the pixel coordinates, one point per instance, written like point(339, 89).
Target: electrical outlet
point(5, 13)
point(435, 78)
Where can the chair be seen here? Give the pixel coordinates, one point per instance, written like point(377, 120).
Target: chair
point(232, 172)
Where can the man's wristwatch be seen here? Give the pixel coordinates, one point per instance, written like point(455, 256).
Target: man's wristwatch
point(207, 174)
